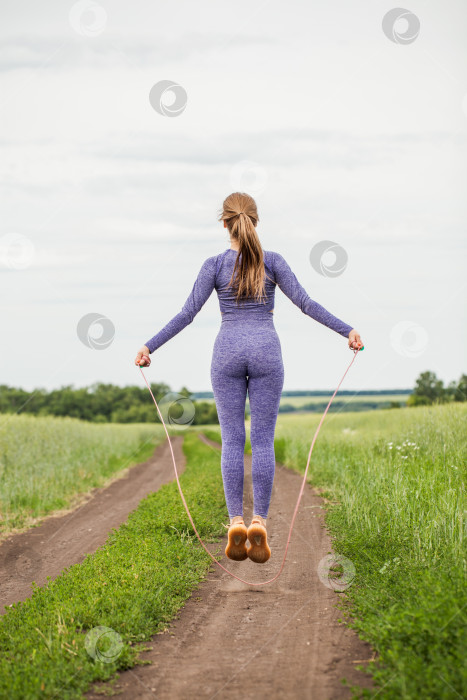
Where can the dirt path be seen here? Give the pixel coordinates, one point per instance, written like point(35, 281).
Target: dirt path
point(62, 541)
point(235, 642)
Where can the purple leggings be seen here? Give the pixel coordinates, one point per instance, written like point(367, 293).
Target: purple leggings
point(247, 357)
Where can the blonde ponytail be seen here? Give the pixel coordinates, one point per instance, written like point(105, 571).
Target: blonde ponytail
point(240, 212)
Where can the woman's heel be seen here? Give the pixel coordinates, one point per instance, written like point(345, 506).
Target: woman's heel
point(259, 550)
point(236, 546)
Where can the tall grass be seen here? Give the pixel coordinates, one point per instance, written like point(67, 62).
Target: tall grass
point(46, 463)
point(396, 484)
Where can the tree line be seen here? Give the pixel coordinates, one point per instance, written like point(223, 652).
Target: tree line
point(107, 403)
point(431, 390)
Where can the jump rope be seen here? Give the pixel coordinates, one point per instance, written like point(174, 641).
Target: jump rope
point(251, 583)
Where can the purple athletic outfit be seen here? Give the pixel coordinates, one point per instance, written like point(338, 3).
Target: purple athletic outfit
point(246, 357)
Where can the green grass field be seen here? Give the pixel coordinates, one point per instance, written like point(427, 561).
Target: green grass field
point(395, 481)
point(47, 464)
point(301, 400)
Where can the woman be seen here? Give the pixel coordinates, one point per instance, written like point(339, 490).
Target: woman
point(246, 358)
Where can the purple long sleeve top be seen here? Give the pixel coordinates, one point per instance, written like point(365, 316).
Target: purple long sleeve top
point(216, 272)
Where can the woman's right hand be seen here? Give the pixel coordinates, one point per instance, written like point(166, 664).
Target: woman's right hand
point(142, 358)
point(355, 342)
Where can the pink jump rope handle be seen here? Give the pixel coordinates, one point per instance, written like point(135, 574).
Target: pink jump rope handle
point(143, 365)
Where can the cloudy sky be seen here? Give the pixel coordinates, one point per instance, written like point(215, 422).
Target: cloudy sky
point(346, 123)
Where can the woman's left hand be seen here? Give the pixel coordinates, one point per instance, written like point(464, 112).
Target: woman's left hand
point(142, 358)
point(355, 342)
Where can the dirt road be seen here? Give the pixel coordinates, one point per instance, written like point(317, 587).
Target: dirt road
point(60, 541)
point(234, 641)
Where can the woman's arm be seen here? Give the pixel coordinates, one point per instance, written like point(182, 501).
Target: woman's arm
point(200, 293)
point(292, 288)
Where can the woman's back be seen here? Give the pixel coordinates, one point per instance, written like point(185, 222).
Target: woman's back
point(226, 294)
